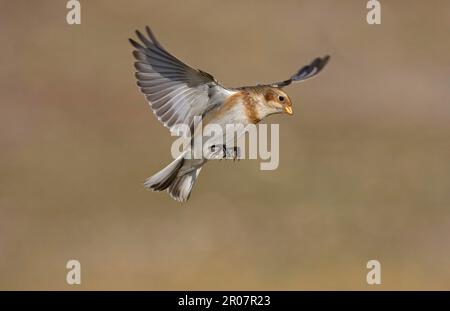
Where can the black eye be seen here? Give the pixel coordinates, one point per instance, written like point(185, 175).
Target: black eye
point(281, 98)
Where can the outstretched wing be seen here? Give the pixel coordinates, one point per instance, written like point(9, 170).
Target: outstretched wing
point(305, 72)
point(176, 92)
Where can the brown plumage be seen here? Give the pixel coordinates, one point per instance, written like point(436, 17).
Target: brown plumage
point(250, 104)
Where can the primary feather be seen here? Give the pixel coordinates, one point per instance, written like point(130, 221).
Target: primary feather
point(175, 91)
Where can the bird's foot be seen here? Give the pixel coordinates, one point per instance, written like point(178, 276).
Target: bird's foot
point(236, 153)
point(218, 151)
point(226, 153)
point(232, 153)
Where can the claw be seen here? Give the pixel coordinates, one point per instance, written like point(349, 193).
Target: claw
point(237, 153)
point(227, 153)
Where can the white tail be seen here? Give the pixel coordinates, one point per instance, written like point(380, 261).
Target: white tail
point(179, 185)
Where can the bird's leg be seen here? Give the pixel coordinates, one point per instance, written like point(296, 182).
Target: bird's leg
point(227, 153)
point(217, 149)
point(236, 153)
point(233, 152)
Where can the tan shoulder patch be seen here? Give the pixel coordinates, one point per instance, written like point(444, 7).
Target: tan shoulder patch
point(250, 109)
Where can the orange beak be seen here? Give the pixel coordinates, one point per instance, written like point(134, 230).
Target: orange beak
point(288, 110)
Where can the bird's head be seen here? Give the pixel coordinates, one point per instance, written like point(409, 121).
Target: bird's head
point(277, 101)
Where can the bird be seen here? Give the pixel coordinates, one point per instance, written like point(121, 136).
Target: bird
point(178, 93)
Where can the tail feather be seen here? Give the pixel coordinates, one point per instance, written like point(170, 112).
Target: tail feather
point(181, 187)
point(164, 178)
point(178, 185)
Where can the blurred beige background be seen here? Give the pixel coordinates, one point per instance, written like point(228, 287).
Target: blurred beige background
point(364, 163)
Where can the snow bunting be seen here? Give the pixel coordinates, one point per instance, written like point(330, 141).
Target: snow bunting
point(177, 93)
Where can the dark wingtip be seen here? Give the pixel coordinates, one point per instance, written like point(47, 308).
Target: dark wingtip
point(153, 37)
point(322, 61)
point(138, 33)
point(133, 42)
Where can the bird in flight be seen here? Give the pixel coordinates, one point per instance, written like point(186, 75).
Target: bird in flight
point(178, 93)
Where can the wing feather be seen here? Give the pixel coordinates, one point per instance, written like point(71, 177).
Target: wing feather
point(175, 91)
point(306, 72)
